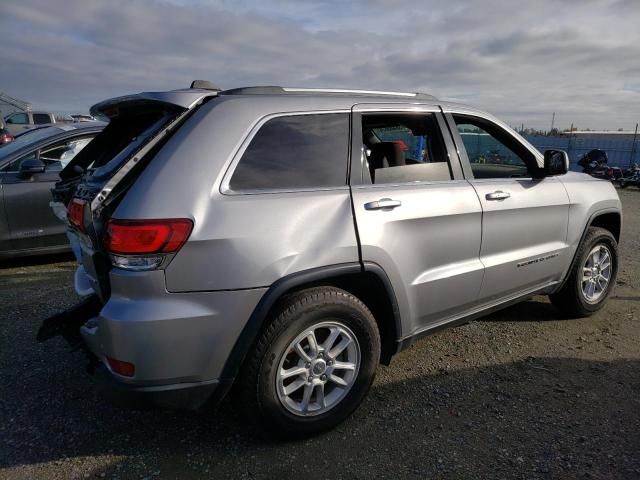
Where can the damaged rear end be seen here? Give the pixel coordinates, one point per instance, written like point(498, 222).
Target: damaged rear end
point(90, 189)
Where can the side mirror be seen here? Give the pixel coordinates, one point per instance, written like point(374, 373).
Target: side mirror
point(556, 162)
point(31, 166)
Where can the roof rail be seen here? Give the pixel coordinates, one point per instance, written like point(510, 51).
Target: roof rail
point(345, 91)
point(275, 90)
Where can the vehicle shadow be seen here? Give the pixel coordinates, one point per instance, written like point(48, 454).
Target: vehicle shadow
point(625, 298)
point(36, 260)
point(555, 417)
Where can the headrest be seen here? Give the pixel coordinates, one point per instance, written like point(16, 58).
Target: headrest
point(386, 154)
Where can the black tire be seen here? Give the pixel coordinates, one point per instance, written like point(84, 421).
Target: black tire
point(570, 299)
point(623, 184)
point(256, 386)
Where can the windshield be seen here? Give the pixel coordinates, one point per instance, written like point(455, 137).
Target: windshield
point(27, 138)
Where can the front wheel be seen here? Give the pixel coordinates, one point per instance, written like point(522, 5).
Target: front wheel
point(592, 275)
point(313, 364)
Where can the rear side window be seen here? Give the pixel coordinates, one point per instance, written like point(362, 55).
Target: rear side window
point(293, 152)
point(41, 118)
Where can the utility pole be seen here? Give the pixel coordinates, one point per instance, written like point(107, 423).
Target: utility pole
point(569, 143)
point(633, 147)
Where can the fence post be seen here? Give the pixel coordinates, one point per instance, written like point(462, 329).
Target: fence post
point(633, 147)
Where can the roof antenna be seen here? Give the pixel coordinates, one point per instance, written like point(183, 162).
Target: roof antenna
point(205, 85)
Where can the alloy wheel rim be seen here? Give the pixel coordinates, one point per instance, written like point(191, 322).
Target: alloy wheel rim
point(596, 273)
point(318, 368)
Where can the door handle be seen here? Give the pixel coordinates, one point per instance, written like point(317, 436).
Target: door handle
point(382, 204)
point(497, 195)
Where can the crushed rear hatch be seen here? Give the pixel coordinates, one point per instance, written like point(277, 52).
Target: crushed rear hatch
point(93, 184)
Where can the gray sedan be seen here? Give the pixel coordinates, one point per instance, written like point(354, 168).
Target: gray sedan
point(29, 167)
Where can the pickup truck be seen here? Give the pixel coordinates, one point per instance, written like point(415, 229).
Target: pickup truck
point(18, 122)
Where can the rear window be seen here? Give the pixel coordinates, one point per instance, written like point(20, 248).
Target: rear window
point(295, 152)
point(41, 118)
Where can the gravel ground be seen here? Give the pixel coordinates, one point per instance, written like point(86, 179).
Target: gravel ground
point(517, 394)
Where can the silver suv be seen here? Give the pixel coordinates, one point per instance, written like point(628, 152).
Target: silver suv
point(286, 241)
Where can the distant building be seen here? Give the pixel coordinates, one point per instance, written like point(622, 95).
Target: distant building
point(601, 134)
point(8, 105)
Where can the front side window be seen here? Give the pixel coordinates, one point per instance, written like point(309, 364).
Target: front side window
point(402, 148)
point(41, 118)
point(15, 165)
point(493, 152)
point(18, 119)
point(57, 156)
point(295, 152)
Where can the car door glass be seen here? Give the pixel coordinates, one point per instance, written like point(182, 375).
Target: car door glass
point(491, 151)
point(404, 148)
point(295, 152)
point(57, 156)
point(18, 119)
point(15, 165)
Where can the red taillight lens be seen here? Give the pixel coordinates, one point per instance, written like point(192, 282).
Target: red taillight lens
point(6, 138)
point(132, 237)
point(126, 369)
point(75, 213)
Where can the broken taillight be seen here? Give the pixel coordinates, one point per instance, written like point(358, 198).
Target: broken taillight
point(75, 213)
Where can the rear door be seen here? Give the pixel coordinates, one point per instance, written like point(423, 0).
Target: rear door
point(524, 225)
point(417, 217)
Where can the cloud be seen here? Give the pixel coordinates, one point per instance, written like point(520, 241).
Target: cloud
point(520, 61)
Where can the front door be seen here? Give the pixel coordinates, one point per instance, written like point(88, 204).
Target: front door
point(32, 223)
point(524, 225)
point(417, 217)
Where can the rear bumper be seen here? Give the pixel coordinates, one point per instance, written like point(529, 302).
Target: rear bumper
point(184, 396)
point(170, 338)
point(178, 343)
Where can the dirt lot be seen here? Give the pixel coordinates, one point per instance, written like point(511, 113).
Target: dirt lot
point(518, 394)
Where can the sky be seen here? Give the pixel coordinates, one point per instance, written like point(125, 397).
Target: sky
point(519, 60)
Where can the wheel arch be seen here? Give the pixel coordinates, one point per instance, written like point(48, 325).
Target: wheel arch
point(367, 282)
point(610, 219)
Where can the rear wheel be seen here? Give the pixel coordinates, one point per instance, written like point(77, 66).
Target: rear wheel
point(592, 275)
point(313, 364)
